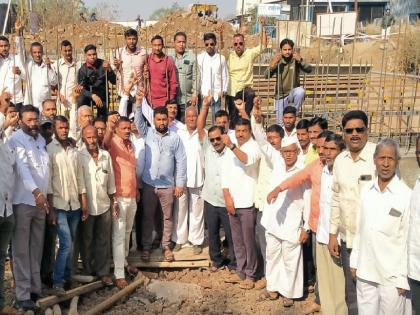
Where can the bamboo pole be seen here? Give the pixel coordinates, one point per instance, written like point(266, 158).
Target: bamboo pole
point(381, 94)
point(411, 116)
point(57, 45)
point(393, 88)
point(338, 68)
point(53, 299)
point(104, 45)
point(109, 302)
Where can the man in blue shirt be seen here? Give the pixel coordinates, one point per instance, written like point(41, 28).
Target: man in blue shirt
point(164, 153)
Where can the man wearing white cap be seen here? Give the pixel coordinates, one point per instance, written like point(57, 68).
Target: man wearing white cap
point(286, 222)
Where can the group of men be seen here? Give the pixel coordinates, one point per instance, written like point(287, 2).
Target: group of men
point(280, 197)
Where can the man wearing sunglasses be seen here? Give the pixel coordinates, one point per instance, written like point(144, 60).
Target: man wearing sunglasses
point(213, 73)
point(240, 63)
point(215, 213)
point(353, 168)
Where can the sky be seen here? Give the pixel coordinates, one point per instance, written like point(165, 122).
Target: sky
point(129, 9)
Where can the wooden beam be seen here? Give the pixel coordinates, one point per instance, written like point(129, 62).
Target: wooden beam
point(174, 264)
point(109, 302)
point(51, 300)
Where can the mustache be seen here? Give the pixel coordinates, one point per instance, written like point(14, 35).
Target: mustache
point(355, 138)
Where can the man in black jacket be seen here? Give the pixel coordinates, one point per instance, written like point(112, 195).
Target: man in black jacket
point(92, 77)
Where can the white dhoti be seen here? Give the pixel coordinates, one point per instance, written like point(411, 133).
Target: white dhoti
point(189, 206)
point(373, 298)
point(284, 269)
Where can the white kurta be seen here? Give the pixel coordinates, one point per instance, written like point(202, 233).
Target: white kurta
point(283, 221)
point(413, 239)
point(380, 247)
point(41, 79)
point(189, 207)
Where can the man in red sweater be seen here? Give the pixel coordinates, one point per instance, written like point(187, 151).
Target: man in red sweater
point(162, 75)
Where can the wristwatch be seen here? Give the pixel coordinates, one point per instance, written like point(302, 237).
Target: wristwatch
point(233, 147)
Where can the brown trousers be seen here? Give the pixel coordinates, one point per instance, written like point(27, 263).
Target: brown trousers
point(151, 197)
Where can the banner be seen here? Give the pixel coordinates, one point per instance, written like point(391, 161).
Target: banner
point(273, 10)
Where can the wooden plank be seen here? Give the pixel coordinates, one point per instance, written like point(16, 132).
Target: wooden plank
point(174, 264)
point(109, 302)
point(185, 254)
point(51, 300)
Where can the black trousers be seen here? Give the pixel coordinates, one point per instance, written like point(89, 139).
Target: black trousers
point(247, 95)
point(415, 295)
point(350, 284)
point(138, 219)
point(215, 217)
point(48, 254)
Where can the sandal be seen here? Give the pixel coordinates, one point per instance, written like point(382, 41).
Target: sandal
point(268, 296)
point(132, 271)
point(107, 281)
point(145, 256)
point(167, 254)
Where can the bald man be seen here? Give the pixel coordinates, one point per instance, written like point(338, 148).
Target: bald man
point(84, 118)
point(190, 204)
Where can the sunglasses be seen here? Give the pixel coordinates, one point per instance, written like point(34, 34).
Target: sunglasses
point(238, 44)
point(215, 139)
point(417, 152)
point(349, 131)
point(210, 44)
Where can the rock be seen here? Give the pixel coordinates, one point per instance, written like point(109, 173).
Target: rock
point(175, 291)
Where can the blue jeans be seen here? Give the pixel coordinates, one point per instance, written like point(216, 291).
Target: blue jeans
point(295, 99)
point(67, 222)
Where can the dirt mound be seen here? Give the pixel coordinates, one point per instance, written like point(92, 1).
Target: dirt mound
point(194, 26)
point(111, 35)
point(100, 33)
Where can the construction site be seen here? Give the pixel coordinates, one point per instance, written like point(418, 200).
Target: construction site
point(356, 69)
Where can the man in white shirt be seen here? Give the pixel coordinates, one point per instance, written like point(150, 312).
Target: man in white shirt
point(271, 163)
point(352, 169)
point(7, 219)
point(302, 135)
point(285, 220)
point(66, 69)
point(12, 71)
point(239, 180)
point(329, 271)
point(379, 257)
point(289, 121)
point(41, 78)
point(413, 241)
point(96, 165)
point(139, 152)
point(214, 78)
point(30, 206)
point(188, 209)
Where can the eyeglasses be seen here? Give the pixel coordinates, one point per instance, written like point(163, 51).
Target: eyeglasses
point(210, 44)
point(238, 44)
point(215, 139)
point(349, 131)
